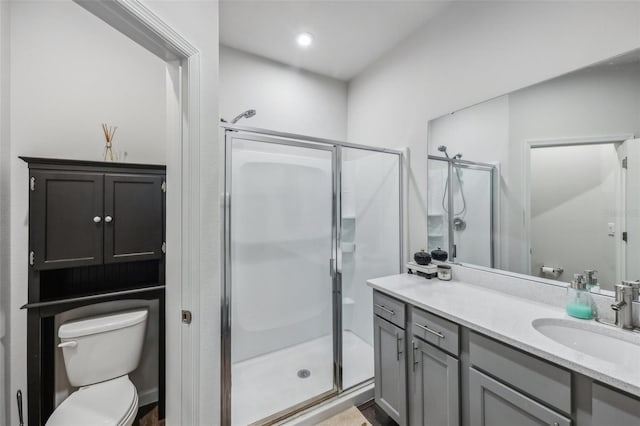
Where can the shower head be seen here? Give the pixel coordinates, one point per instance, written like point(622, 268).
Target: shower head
point(443, 148)
point(247, 114)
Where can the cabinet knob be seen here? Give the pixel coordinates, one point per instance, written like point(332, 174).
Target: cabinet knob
point(108, 219)
point(97, 219)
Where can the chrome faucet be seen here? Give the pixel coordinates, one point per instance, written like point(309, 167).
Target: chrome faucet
point(623, 305)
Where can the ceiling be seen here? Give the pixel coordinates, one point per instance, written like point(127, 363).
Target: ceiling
point(348, 35)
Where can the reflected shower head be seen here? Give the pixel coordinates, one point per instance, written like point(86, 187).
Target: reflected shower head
point(443, 148)
point(457, 156)
point(247, 114)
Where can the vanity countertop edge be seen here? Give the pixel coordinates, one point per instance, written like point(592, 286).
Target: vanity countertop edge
point(506, 318)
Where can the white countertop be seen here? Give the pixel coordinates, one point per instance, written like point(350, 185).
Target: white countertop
point(508, 319)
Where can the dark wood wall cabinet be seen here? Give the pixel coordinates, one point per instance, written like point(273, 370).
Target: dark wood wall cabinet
point(83, 218)
point(96, 234)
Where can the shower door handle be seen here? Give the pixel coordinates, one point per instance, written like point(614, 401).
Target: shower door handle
point(332, 267)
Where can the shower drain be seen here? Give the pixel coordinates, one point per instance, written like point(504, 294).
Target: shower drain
point(304, 373)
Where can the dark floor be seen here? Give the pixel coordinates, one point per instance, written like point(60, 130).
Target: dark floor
point(375, 415)
point(148, 416)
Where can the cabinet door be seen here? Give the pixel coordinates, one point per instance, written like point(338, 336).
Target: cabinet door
point(492, 403)
point(435, 386)
point(613, 408)
point(133, 216)
point(65, 216)
point(390, 369)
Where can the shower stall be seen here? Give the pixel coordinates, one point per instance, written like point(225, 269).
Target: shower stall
point(307, 222)
point(462, 207)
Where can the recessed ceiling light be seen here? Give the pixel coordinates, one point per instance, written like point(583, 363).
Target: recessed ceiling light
point(304, 39)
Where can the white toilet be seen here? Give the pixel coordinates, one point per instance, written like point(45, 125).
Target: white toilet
point(99, 353)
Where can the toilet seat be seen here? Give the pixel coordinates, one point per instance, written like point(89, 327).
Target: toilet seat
point(110, 403)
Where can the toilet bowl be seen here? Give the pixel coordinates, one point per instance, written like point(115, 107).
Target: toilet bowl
point(99, 353)
point(110, 403)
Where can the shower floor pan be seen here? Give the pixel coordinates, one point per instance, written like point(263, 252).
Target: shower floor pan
point(271, 383)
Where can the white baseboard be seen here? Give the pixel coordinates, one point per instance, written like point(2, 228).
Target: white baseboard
point(147, 397)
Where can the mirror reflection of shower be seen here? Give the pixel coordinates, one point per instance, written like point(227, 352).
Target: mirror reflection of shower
point(460, 215)
point(458, 223)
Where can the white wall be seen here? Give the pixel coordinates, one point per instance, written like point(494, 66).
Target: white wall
point(70, 72)
point(5, 149)
point(474, 51)
point(286, 99)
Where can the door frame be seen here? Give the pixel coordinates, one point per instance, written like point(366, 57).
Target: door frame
point(133, 19)
point(526, 180)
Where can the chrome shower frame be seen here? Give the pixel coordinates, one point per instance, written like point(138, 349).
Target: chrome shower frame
point(335, 263)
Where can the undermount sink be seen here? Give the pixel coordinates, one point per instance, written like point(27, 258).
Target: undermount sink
point(604, 342)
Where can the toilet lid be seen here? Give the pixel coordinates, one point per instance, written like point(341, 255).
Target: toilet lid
point(102, 404)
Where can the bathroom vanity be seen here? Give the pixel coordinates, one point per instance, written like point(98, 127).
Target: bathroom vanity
point(452, 353)
point(96, 234)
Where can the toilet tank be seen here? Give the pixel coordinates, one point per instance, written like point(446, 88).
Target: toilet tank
point(103, 347)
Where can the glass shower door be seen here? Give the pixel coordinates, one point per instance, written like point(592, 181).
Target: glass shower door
point(437, 218)
point(282, 240)
point(370, 248)
point(472, 216)
point(461, 212)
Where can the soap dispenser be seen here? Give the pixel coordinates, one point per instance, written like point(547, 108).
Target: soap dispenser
point(592, 280)
point(579, 301)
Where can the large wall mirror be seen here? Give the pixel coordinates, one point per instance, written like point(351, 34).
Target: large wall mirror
point(543, 181)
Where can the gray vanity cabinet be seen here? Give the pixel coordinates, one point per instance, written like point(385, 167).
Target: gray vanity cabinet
point(492, 403)
point(435, 386)
point(448, 375)
point(612, 408)
point(390, 369)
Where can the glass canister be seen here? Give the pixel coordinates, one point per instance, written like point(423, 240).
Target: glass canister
point(444, 272)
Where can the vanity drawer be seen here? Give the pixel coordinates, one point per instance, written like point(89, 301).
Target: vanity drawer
point(436, 330)
point(546, 382)
point(389, 308)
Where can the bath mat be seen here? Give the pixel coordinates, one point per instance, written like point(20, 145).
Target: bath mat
point(349, 417)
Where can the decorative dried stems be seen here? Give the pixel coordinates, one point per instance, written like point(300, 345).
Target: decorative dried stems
point(109, 133)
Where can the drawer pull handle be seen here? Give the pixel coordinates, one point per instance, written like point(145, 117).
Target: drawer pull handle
point(427, 329)
point(415, 357)
point(389, 311)
point(398, 346)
